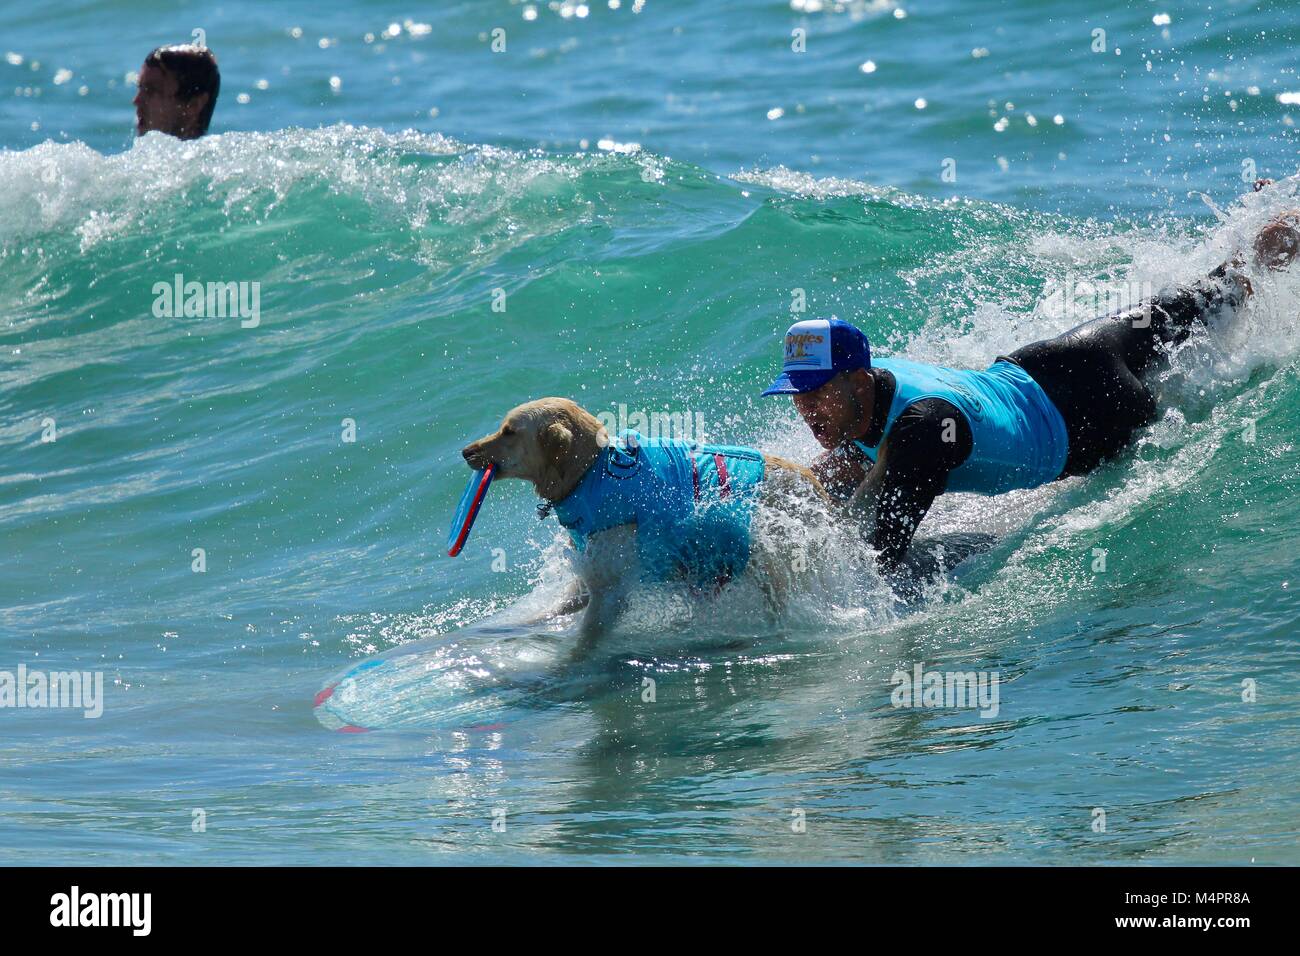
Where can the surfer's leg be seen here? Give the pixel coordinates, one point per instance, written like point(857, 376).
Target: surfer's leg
point(1101, 399)
point(1094, 372)
point(1144, 334)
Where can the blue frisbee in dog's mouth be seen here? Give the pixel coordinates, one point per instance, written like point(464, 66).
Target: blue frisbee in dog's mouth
point(467, 510)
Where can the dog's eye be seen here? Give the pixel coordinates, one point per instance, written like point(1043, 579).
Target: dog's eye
point(507, 430)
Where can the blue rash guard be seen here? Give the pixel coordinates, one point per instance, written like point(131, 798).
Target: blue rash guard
point(691, 504)
point(1019, 437)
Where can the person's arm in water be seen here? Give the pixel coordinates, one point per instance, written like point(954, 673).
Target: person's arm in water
point(927, 441)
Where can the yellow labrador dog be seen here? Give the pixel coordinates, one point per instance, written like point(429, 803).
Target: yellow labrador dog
point(683, 510)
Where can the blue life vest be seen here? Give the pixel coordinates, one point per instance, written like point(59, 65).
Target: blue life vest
point(1019, 435)
point(691, 504)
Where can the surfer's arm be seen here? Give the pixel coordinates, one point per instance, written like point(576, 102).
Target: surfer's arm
point(923, 446)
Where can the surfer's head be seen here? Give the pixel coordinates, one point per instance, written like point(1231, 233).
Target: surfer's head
point(839, 411)
point(177, 91)
point(825, 371)
point(550, 442)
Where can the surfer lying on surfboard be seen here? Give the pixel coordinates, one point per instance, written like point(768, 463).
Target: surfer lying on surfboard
point(900, 433)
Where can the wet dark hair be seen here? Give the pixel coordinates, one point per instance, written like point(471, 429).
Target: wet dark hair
point(195, 69)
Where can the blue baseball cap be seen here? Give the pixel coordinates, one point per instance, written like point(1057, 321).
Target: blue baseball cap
point(816, 350)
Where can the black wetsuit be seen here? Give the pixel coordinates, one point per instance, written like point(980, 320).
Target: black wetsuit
point(1093, 375)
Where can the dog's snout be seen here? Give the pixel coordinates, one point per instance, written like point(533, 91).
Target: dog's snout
point(471, 453)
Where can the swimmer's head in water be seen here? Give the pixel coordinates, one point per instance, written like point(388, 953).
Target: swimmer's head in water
point(177, 91)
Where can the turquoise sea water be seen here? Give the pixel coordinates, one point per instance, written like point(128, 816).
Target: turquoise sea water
point(647, 186)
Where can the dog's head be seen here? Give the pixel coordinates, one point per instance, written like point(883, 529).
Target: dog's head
point(550, 442)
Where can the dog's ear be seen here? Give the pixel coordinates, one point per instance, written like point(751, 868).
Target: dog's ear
point(556, 440)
